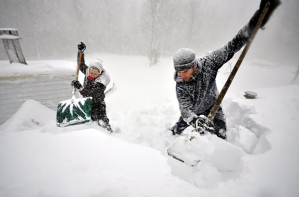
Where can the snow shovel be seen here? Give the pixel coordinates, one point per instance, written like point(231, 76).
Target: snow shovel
point(74, 111)
point(192, 159)
point(237, 66)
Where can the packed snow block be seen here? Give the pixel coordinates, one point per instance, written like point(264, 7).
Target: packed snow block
point(224, 155)
point(243, 138)
point(191, 151)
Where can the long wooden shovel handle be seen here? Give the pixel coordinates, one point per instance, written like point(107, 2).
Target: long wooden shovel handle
point(238, 64)
point(77, 73)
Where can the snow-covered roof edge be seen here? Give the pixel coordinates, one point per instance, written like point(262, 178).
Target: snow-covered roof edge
point(9, 37)
point(8, 29)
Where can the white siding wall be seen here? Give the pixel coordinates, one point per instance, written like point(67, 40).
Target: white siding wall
point(47, 89)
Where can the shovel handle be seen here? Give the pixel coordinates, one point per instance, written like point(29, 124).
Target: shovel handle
point(77, 73)
point(238, 64)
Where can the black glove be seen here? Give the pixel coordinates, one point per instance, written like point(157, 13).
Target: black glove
point(221, 134)
point(203, 124)
point(76, 84)
point(81, 47)
point(273, 5)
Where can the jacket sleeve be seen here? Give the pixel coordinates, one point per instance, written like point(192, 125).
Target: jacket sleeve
point(185, 104)
point(219, 57)
point(83, 66)
point(94, 90)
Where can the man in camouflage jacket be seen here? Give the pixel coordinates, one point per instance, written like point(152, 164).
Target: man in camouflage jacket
point(196, 78)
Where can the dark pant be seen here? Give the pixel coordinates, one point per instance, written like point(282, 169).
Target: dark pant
point(219, 123)
point(98, 111)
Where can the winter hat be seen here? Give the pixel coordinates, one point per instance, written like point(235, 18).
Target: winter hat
point(184, 59)
point(97, 64)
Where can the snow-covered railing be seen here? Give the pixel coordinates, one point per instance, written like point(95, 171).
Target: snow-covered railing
point(10, 38)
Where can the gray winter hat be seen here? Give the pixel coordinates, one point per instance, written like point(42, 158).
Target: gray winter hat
point(184, 59)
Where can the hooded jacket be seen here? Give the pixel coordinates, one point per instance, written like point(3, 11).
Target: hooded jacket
point(95, 88)
point(200, 93)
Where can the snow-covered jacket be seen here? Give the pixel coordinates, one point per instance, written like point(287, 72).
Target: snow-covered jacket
point(95, 88)
point(200, 93)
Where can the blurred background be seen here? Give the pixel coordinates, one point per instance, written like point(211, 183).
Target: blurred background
point(153, 28)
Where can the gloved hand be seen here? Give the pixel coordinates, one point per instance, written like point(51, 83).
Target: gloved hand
point(76, 84)
point(273, 5)
point(203, 124)
point(221, 134)
point(81, 47)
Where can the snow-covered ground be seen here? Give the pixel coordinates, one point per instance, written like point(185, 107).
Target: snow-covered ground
point(260, 157)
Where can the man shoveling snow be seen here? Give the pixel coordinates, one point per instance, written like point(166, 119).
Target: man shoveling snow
point(196, 79)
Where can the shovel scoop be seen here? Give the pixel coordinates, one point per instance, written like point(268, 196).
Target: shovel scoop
point(73, 112)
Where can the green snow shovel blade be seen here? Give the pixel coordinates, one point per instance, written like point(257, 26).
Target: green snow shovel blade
point(73, 112)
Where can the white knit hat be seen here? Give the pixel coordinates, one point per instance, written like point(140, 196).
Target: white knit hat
point(97, 64)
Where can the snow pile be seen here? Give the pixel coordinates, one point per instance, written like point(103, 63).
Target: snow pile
point(31, 115)
point(244, 138)
point(260, 157)
point(77, 161)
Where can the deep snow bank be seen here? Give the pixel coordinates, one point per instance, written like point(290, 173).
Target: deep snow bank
point(37, 158)
point(143, 105)
point(36, 162)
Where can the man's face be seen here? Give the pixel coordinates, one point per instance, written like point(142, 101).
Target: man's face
point(187, 74)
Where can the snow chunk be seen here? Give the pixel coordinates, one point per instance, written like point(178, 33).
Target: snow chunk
point(243, 138)
point(223, 155)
